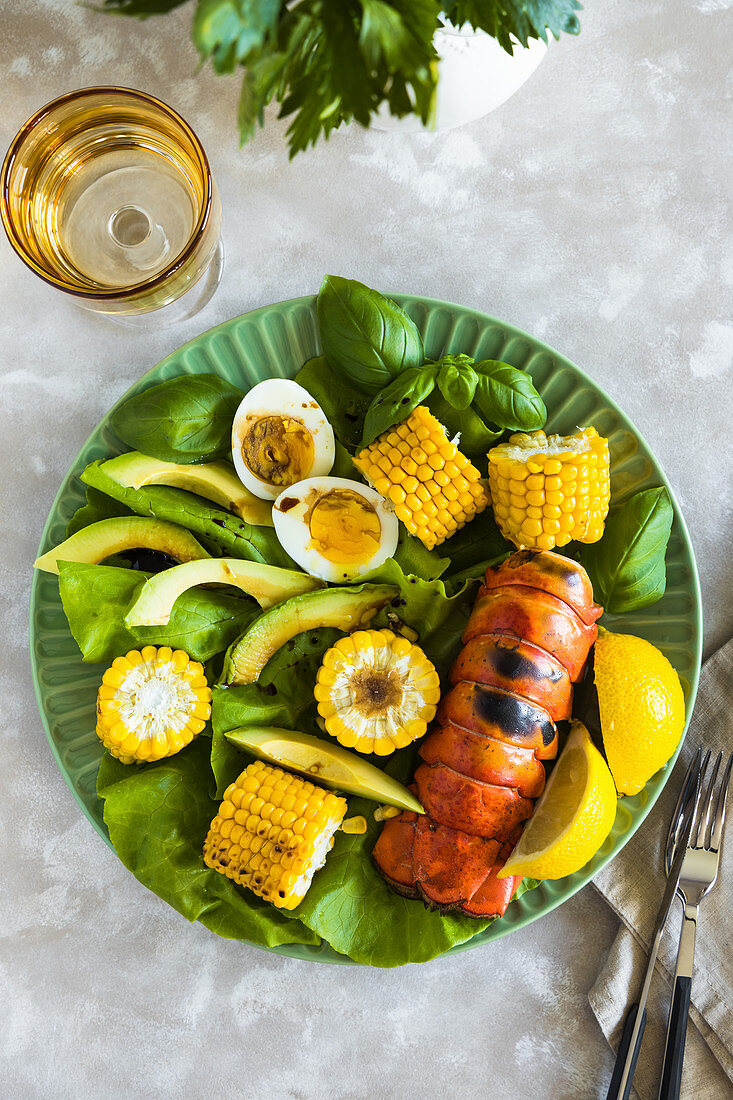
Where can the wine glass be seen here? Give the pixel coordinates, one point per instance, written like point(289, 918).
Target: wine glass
point(106, 193)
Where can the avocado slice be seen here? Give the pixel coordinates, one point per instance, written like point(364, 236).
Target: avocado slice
point(215, 481)
point(344, 608)
point(322, 762)
point(268, 584)
point(111, 536)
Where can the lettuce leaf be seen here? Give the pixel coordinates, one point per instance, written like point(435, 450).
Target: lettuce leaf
point(157, 817)
point(96, 599)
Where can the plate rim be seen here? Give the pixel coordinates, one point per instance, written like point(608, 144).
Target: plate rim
point(497, 929)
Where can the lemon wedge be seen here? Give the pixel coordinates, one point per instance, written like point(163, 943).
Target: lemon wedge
point(641, 706)
point(572, 818)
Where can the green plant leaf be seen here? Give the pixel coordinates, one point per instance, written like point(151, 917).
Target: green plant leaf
point(158, 816)
point(186, 419)
point(457, 380)
point(140, 8)
point(98, 506)
point(521, 19)
point(219, 531)
point(229, 31)
point(475, 436)
point(344, 405)
point(364, 335)
point(507, 397)
point(413, 556)
point(396, 401)
point(627, 566)
point(96, 598)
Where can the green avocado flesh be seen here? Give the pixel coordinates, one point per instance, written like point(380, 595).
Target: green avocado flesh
point(215, 481)
point(268, 584)
point(344, 608)
point(111, 536)
point(331, 765)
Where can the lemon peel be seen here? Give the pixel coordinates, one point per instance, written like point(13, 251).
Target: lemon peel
point(572, 818)
point(641, 706)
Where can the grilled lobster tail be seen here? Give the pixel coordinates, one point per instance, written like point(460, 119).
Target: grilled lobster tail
point(525, 644)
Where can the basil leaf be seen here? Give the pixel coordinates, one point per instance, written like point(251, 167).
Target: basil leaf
point(395, 402)
point(343, 405)
point(627, 566)
point(476, 437)
point(457, 383)
point(364, 335)
point(186, 419)
point(507, 397)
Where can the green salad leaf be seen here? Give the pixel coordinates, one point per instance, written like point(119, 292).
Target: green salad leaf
point(413, 556)
point(283, 696)
point(396, 401)
point(185, 419)
point(96, 598)
point(98, 506)
point(366, 336)
point(158, 817)
point(344, 405)
point(220, 531)
point(627, 566)
point(507, 397)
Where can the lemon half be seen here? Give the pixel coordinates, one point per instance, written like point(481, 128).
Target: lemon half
point(572, 818)
point(641, 706)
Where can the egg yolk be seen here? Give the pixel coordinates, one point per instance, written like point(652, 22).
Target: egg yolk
point(278, 450)
point(344, 527)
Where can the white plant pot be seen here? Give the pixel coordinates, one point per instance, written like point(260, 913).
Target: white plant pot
point(475, 76)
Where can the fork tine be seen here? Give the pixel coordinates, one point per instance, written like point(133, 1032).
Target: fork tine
point(685, 798)
point(706, 827)
point(699, 803)
point(719, 819)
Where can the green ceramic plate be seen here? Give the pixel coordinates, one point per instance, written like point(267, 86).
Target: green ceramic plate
point(277, 340)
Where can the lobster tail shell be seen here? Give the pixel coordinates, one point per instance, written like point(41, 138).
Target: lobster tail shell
point(525, 644)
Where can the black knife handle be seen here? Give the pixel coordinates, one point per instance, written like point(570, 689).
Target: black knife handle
point(623, 1049)
point(674, 1051)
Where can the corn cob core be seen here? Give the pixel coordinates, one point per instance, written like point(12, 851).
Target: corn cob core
point(435, 490)
point(272, 832)
point(151, 703)
point(376, 692)
point(547, 490)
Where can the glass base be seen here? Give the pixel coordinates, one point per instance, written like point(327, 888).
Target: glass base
point(188, 305)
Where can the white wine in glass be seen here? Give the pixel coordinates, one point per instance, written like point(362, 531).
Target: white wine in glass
point(106, 194)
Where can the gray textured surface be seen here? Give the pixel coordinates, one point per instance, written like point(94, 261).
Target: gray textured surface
point(593, 210)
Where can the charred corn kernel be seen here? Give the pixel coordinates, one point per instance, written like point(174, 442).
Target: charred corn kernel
point(429, 474)
point(274, 860)
point(151, 703)
point(376, 691)
point(546, 491)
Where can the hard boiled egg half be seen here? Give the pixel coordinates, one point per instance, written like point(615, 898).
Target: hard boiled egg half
point(280, 435)
point(334, 528)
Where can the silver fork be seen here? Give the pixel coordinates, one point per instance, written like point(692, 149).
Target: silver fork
point(698, 876)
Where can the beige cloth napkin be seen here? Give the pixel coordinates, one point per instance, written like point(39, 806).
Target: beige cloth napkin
point(633, 884)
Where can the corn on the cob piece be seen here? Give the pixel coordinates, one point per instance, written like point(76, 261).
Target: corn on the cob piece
point(151, 703)
point(546, 491)
point(272, 832)
point(376, 692)
point(435, 490)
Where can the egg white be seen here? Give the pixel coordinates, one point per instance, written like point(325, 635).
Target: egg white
point(290, 516)
point(281, 397)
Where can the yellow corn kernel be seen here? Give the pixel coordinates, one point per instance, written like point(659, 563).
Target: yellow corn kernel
point(272, 853)
point(547, 491)
point(378, 695)
point(151, 703)
point(430, 470)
